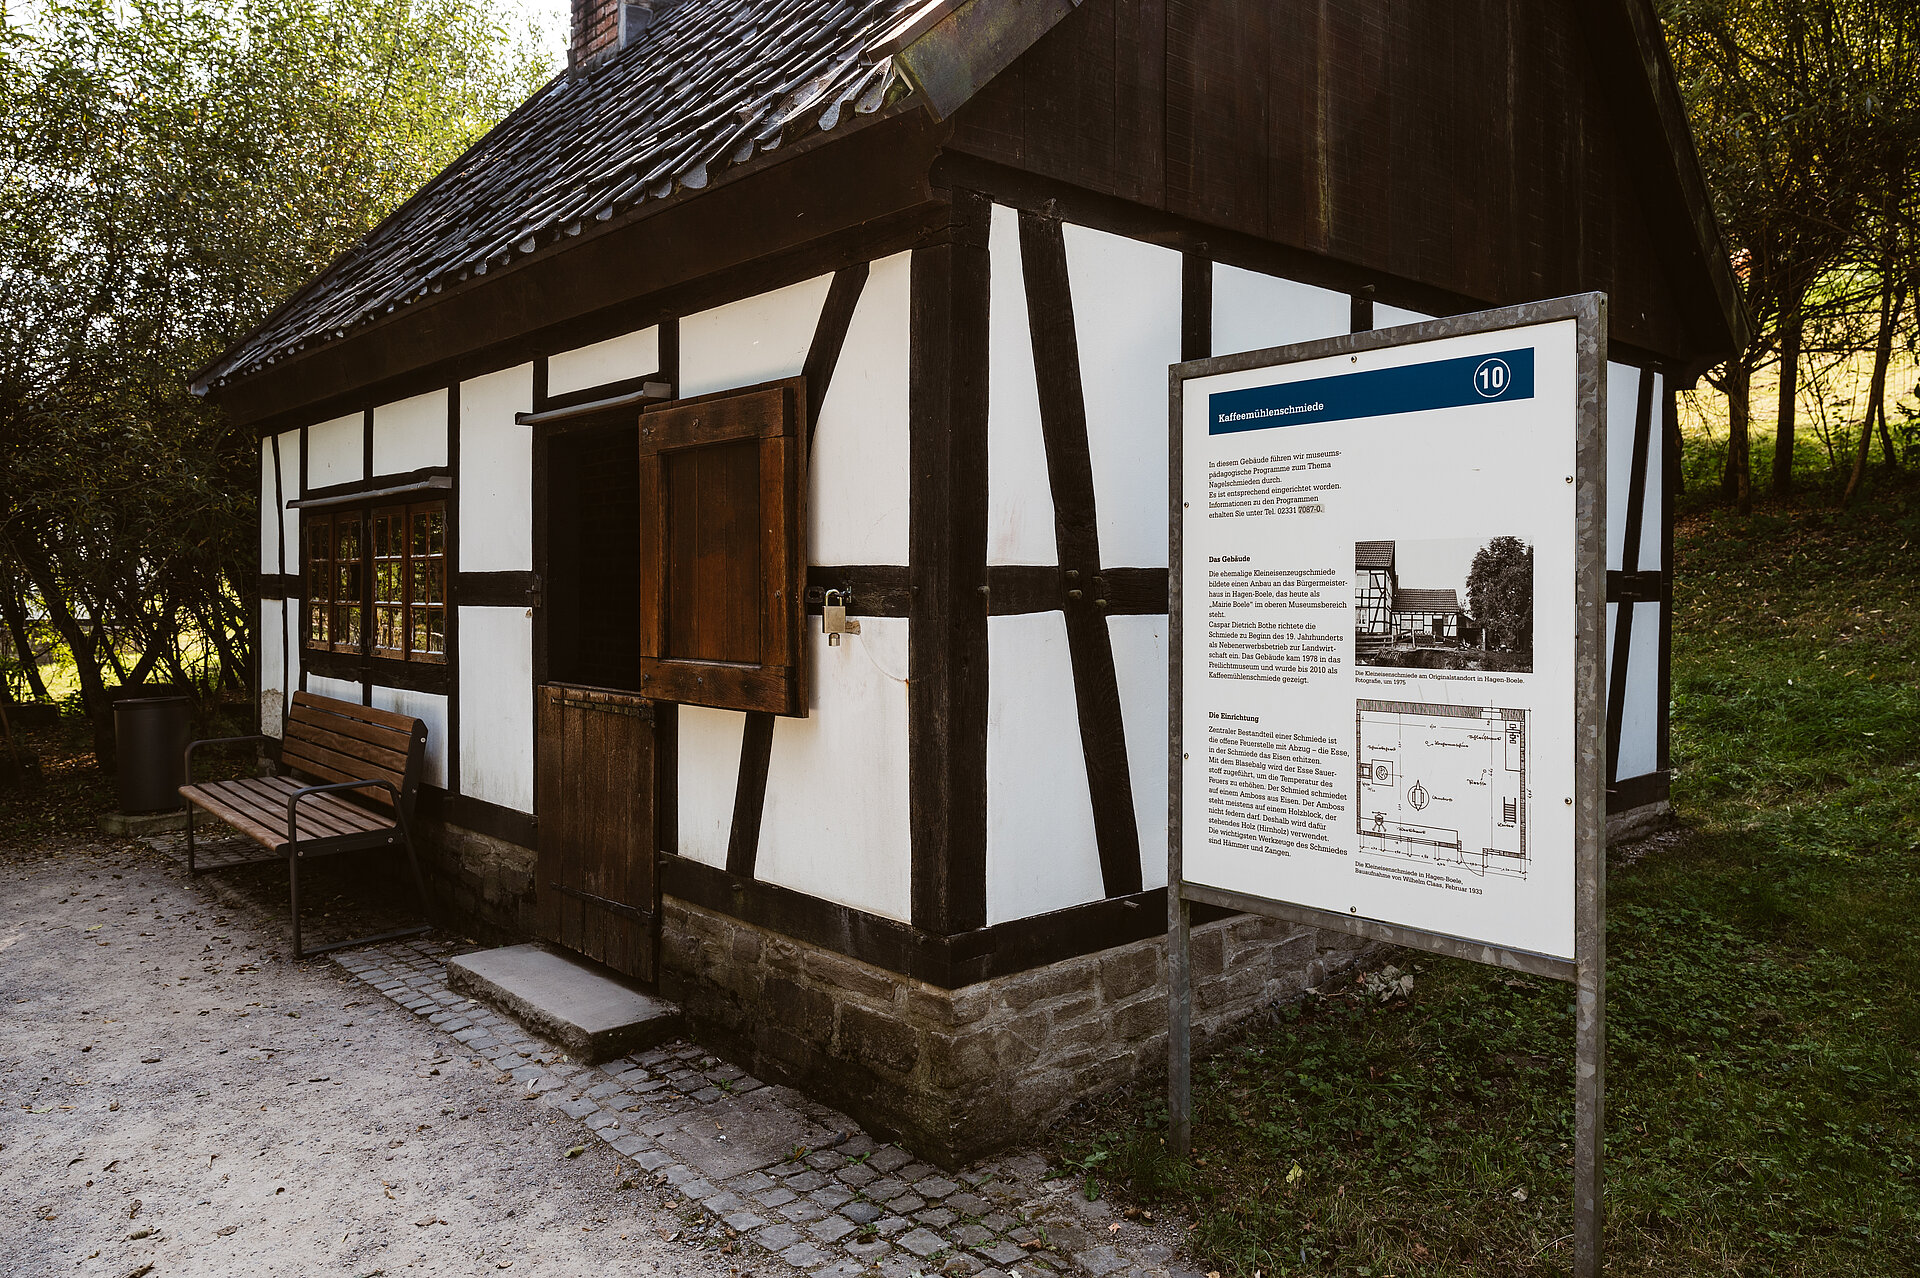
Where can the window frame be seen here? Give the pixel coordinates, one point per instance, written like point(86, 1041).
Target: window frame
point(365, 647)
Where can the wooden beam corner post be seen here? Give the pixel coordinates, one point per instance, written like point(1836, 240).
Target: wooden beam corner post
point(947, 551)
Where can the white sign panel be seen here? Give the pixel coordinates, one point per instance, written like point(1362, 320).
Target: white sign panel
point(1378, 571)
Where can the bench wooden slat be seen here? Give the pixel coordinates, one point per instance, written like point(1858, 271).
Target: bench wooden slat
point(261, 813)
point(304, 756)
point(368, 714)
point(391, 740)
point(337, 803)
point(247, 825)
point(391, 753)
point(269, 809)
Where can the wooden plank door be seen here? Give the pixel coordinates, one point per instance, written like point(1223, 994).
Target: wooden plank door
point(597, 891)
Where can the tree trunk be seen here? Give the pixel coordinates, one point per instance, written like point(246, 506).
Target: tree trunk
point(230, 665)
point(1736, 482)
point(1887, 453)
point(23, 642)
point(86, 659)
point(1877, 389)
point(1791, 329)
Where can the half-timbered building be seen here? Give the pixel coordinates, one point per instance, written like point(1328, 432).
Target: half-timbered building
point(767, 309)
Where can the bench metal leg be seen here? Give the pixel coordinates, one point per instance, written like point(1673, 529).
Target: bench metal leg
point(191, 870)
point(419, 886)
point(293, 891)
point(413, 864)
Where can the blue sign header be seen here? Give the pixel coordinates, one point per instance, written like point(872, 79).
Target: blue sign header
point(1411, 388)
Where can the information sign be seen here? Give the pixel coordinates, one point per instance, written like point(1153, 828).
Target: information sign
point(1387, 599)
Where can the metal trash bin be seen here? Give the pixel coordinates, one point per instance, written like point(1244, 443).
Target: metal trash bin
point(150, 739)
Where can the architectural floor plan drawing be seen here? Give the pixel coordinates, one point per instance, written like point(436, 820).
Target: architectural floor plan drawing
point(1446, 785)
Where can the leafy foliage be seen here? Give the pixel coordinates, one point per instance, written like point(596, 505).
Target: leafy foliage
point(1500, 592)
point(168, 173)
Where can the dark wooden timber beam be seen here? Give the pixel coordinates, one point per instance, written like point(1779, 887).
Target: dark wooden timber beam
point(1063, 430)
point(947, 548)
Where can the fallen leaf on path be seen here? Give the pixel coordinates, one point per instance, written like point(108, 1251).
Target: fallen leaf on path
point(142, 1232)
point(223, 1231)
point(576, 1151)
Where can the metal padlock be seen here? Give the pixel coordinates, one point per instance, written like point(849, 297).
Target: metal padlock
point(833, 617)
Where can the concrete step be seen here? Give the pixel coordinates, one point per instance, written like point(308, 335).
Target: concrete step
point(593, 1015)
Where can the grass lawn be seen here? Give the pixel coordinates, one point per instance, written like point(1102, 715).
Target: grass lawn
point(1763, 1078)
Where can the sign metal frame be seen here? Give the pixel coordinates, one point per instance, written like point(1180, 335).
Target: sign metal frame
point(1587, 971)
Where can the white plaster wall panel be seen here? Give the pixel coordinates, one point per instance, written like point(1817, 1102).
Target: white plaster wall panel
point(273, 678)
point(835, 824)
point(709, 746)
point(269, 511)
point(614, 360)
point(410, 434)
point(290, 492)
point(1126, 320)
point(496, 706)
point(1252, 312)
point(294, 621)
point(860, 466)
point(1385, 316)
point(1640, 717)
point(1140, 662)
point(336, 452)
point(1652, 534)
point(1041, 853)
point(1623, 392)
point(1019, 497)
point(747, 342)
point(495, 483)
point(431, 709)
point(338, 689)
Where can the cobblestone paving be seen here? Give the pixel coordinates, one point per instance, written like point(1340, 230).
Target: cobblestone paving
point(762, 1169)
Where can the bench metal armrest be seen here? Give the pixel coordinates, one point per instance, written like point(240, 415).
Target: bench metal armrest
point(293, 801)
point(213, 741)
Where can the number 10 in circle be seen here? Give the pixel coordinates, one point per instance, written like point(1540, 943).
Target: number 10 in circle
point(1492, 378)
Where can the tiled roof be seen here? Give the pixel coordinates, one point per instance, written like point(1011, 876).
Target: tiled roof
point(1410, 599)
point(1373, 554)
point(708, 85)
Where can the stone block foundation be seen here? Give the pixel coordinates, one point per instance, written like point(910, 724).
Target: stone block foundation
point(480, 884)
point(956, 1074)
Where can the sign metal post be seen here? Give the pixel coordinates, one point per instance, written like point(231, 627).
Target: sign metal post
point(1265, 864)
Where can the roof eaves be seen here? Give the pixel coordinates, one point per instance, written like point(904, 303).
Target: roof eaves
point(957, 55)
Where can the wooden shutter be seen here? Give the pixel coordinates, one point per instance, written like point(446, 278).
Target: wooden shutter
point(723, 550)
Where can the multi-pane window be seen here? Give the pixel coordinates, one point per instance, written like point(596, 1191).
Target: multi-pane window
point(334, 594)
point(397, 570)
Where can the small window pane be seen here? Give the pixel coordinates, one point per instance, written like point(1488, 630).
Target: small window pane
point(349, 538)
point(429, 630)
point(389, 634)
point(346, 622)
point(429, 532)
point(316, 623)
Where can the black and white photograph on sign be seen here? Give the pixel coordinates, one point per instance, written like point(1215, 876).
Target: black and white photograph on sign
point(1444, 604)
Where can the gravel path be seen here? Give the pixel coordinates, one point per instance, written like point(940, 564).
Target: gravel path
point(177, 1098)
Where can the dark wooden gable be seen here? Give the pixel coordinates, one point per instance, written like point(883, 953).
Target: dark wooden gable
point(1468, 150)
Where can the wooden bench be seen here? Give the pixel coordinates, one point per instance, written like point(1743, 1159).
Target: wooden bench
point(354, 773)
